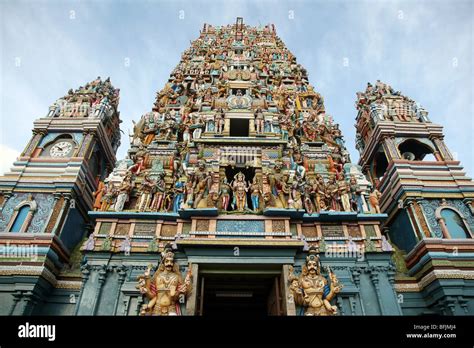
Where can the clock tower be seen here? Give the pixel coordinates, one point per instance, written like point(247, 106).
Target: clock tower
point(45, 197)
point(428, 199)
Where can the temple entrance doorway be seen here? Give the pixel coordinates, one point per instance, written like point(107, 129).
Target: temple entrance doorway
point(249, 173)
point(239, 295)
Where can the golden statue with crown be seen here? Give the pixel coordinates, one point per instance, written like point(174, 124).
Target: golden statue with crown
point(312, 290)
point(166, 289)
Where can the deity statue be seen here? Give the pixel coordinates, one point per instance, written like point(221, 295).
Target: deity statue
point(89, 244)
point(224, 194)
point(214, 192)
point(108, 197)
point(123, 192)
point(220, 121)
point(98, 194)
point(165, 288)
point(256, 191)
point(344, 190)
point(307, 197)
point(332, 194)
point(312, 290)
point(240, 189)
point(159, 193)
point(189, 191)
point(374, 198)
point(202, 188)
point(319, 192)
point(178, 195)
point(146, 192)
point(259, 121)
point(356, 198)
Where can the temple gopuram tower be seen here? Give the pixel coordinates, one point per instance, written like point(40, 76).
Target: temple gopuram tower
point(237, 197)
point(427, 197)
point(46, 196)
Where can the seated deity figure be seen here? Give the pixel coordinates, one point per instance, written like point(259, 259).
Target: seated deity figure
point(312, 290)
point(165, 287)
point(240, 189)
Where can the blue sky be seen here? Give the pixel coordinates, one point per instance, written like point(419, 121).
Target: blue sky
point(422, 48)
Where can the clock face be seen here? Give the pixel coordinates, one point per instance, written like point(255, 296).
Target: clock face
point(61, 149)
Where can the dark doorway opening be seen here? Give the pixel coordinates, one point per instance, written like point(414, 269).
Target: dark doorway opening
point(380, 165)
point(249, 173)
point(239, 127)
point(238, 295)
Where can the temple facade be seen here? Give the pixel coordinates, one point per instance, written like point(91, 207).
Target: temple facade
point(237, 197)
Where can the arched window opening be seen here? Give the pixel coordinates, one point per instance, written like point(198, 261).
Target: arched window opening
point(20, 219)
point(455, 224)
point(380, 165)
point(413, 150)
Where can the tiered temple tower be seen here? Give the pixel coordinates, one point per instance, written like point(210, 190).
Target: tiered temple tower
point(232, 177)
point(237, 197)
point(46, 196)
point(427, 197)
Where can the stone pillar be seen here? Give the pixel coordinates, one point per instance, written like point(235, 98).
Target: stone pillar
point(102, 276)
point(442, 148)
point(390, 148)
point(60, 218)
point(374, 277)
point(85, 270)
point(35, 140)
point(122, 272)
point(191, 303)
point(289, 307)
point(356, 272)
point(16, 298)
point(86, 141)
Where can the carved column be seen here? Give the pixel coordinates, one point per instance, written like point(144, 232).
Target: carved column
point(469, 202)
point(442, 148)
point(85, 270)
point(191, 303)
point(374, 277)
point(57, 226)
point(4, 197)
point(16, 298)
point(35, 140)
point(356, 272)
point(412, 214)
point(102, 276)
point(122, 272)
point(391, 151)
point(289, 307)
point(86, 141)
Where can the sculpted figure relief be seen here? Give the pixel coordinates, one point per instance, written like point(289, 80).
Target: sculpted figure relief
point(165, 289)
point(299, 156)
point(312, 290)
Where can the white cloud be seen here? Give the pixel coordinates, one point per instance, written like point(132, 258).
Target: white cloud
point(7, 157)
